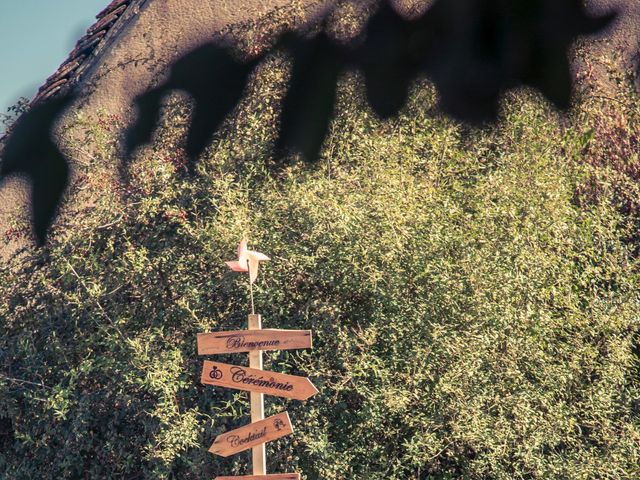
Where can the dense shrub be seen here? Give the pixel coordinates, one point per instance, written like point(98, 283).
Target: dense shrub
point(471, 319)
point(610, 120)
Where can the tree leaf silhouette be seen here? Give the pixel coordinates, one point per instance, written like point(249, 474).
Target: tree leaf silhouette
point(310, 98)
point(31, 151)
point(213, 78)
point(141, 131)
point(473, 51)
point(388, 60)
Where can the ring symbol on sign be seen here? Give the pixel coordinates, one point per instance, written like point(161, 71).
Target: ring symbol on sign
point(215, 373)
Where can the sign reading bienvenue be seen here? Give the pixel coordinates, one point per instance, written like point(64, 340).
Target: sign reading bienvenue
point(248, 340)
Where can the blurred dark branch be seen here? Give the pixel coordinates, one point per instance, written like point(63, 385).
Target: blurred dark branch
point(30, 151)
point(473, 51)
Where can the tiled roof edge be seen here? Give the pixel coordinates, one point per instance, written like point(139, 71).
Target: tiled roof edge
point(108, 23)
point(68, 74)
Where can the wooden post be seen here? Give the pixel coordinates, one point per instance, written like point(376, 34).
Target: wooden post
point(257, 402)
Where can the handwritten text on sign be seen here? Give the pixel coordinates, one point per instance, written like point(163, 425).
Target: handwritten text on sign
point(273, 476)
point(251, 435)
point(249, 340)
point(254, 380)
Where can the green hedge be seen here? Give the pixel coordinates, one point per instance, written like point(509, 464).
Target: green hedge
point(471, 319)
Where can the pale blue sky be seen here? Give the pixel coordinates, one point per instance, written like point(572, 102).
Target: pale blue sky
point(35, 38)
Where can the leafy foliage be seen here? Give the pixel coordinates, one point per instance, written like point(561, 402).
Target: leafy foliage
point(611, 140)
point(13, 112)
point(31, 151)
point(471, 319)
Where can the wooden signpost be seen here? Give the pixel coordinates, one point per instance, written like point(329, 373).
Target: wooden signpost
point(253, 378)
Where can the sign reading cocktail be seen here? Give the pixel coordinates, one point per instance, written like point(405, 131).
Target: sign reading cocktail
point(256, 433)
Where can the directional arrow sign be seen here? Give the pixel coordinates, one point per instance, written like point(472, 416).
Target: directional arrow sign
point(249, 340)
point(256, 433)
point(274, 476)
point(255, 380)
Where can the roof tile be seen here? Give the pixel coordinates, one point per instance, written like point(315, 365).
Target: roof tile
point(111, 7)
point(107, 20)
point(70, 69)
